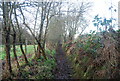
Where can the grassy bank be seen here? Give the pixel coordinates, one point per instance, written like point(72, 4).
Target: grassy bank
point(30, 50)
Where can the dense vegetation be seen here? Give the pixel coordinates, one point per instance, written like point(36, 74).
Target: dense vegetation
point(94, 56)
point(35, 67)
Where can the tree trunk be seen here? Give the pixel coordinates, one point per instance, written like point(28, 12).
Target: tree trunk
point(7, 50)
point(21, 47)
point(6, 29)
point(35, 50)
point(43, 15)
point(41, 50)
point(14, 50)
point(45, 35)
point(46, 28)
point(20, 40)
point(38, 52)
point(25, 46)
point(38, 40)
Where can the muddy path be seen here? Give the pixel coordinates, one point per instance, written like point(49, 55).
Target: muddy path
point(63, 69)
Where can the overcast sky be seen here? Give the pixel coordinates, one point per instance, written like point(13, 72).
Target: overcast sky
point(101, 7)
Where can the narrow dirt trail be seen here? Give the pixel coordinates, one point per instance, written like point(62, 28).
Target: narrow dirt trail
point(63, 69)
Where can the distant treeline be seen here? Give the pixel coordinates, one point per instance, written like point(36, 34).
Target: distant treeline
point(26, 38)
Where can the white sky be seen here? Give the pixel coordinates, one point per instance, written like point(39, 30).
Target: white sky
point(101, 7)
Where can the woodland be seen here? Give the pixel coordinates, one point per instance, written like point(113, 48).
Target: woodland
point(46, 40)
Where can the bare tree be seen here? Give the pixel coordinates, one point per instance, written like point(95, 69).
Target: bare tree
point(14, 37)
point(45, 16)
point(75, 18)
point(20, 34)
point(6, 29)
point(40, 48)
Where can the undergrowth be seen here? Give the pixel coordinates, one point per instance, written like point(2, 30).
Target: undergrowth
point(37, 69)
point(90, 57)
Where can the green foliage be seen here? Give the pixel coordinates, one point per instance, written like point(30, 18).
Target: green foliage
point(40, 69)
point(81, 71)
point(53, 52)
point(50, 52)
point(118, 31)
point(46, 69)
point(47, 66)
point(91, 44)
point(50, 62)
point(99, 21)
point(90, 60)
point(44, 73)
point(81, 61)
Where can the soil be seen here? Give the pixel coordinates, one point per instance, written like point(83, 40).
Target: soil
point(63, 69)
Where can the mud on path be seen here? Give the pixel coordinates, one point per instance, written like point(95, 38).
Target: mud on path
point(63, 69)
